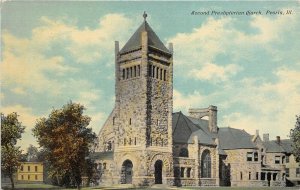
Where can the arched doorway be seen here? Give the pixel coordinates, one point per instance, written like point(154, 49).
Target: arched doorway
point(158, 171)
point(126, 173)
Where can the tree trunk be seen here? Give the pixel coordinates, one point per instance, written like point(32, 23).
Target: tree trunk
point(12, 181)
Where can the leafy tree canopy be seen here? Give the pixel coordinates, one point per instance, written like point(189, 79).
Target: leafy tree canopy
point(11, 131)
point(65, 140)
point(295, 137)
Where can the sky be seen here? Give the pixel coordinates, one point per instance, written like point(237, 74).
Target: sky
point(248, 65)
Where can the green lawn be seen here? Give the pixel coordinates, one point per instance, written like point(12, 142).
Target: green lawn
point(46, 186)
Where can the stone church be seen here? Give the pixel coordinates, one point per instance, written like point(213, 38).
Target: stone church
point(144, 143)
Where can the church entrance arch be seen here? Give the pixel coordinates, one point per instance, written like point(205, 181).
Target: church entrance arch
point(126, 173)
point(158, 171)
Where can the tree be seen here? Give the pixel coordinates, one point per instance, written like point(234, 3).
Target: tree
point(11, 131)
point(65, 140)
point(295, 137)
point(32, 154)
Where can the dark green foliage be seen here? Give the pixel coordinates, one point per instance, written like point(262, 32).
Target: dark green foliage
point(295, 137)
point(11, 131)
point(65, 140)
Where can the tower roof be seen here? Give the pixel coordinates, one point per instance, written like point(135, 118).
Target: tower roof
point(135, 41)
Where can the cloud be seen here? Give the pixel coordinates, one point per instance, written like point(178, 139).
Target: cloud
point(270, 106)
point(85, 45)
point(23, 66)
point(221, 47)
point(183, 102)
point(25, 115)
point(213, 72)
point(19, 91)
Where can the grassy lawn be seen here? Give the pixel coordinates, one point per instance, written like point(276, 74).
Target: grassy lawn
point(32, 186)
point(46, 186)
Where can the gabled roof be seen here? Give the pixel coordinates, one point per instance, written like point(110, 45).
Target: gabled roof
point(230, 138)
point(285, 146)
point(184, 130)
point(135, 41)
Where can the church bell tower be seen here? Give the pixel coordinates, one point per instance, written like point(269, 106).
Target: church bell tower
point(144, 106)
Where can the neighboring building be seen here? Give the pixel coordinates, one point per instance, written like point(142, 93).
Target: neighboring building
point(30, 172)
point(144, 143)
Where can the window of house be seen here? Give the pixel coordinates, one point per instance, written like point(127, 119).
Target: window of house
point(131, 74)
point(109, 146)
point(134, 71)
point(182, 172)
point(249, 175)
point(130, 121)
point(36, 168)
point(255, 156)
point(157, 69)
point(127, 73)
point(262, 159)
point(241, 175)
point(277, 159)
point(160, 74)
point(139, 70)
point(287, 160)
point(206, 164)
point(257, 175)
point(184, 152)
point(134, 140)
point(28, 177)
point(123, 76)
point(28, 168)
point(22, 177)
point(297, 172)
point(188, 174)
point(287, 172)
point(165, 74)
point(22, 168)
point(249, 156)
point(153, 71)
point(36, 177)
point(283, 158)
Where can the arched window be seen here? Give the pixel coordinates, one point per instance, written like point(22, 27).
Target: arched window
point(139, 70)
point(206, 164)
point(184, 152)
point(153, 73)
point(134, 71)
point(109, 146)
point(255, 156)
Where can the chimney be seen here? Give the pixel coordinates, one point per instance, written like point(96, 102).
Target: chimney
point(257, 132)
point(211, 112)
point(266, 137)
point(278, 139)
point(212, 123)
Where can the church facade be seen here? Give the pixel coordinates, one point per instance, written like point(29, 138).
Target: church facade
point(144, 143)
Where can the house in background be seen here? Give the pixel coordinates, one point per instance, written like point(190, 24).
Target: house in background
point(30, 172)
